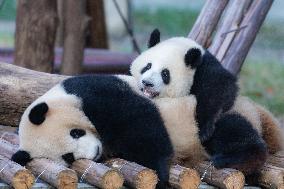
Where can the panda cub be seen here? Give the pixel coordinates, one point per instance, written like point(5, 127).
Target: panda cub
point(178, 67)
point(179, 63)
point(86, 115)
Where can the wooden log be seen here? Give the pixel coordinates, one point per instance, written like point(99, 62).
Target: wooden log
point(11, 137)
point(207, 21)
point(75, 22)
point(97, 27)
point(36, 24)
point(98, 174)
point(271, 177)
point(184, 178)
point(7, 149)
point(19, 87)
point(226, 178)
point(238, 50)
point(53, 173)
point(134, 174)
point(232, 18)
point(15, 175)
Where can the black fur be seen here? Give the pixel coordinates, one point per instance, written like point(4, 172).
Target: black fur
point(129, 125)
point(236, 144)
point(147, 67)
point(166, 76)
point(193, 58)
point(37, 113)
point(68, 158)
point(154, 38)
point(21, 157)
point(215, 89)
point(77, 133)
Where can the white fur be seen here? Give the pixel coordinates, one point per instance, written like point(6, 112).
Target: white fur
point(179, 120)
point(52, 138)
point(167, 54)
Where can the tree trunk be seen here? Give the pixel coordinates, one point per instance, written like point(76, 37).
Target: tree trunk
point(74, 23)
point(97, 34)
point(36, 24)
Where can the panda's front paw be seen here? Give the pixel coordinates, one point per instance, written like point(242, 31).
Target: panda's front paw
point(205, 133)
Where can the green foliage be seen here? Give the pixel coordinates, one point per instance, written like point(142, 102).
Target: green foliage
point(8, 10)
point(171, 22)
point(264, 83)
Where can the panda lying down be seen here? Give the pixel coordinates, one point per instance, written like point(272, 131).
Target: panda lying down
point(86, 116)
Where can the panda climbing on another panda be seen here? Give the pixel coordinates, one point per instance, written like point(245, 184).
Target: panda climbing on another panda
point(166, 69)
point(230, 129)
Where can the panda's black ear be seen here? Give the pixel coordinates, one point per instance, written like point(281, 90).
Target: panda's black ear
point(193, 57)
point(37, 113)
point(154, 38)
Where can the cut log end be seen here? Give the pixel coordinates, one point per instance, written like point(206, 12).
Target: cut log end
point(23, 179)
point(235, 180)
point(146, 179)
point(67, 179)
point(135, 175)
point(184, 178)
point(112, 180)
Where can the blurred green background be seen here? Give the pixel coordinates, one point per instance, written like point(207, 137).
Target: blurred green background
point(262, 76)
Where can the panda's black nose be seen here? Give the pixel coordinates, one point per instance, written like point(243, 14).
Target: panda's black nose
point(147, 83)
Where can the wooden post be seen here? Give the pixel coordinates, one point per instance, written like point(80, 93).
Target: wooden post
point(36, 24)
point(74, 23)
point(231, 23)
point(15, 175)
point(97, 37)
point(238, 50)
point(207, 21)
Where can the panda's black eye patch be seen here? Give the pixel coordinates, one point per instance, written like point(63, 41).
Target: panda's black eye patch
point(77, 133)
point(147, 67)
point(166, 76)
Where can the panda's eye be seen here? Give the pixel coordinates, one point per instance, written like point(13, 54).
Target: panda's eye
point(77, 133)
point(166, 76)
point(147, 67)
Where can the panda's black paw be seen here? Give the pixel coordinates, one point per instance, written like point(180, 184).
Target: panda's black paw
point(21, 157)
point(205, 133)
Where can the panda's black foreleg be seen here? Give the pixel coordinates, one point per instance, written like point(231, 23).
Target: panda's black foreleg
point(236, 144)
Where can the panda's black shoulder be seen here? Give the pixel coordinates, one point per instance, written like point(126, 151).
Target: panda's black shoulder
point(213, 82)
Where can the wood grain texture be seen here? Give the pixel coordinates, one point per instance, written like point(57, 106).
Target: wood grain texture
point(19, 87)
point(15, 175)
point(98, 174)
point(239, 48)
point(75, 22)
point(51, 172)
point(207, 21)
point(36, 24)
point(226, 178)
point(232, 18)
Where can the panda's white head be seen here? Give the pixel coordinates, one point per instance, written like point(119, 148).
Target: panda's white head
point(167, 68)
point(54, 127)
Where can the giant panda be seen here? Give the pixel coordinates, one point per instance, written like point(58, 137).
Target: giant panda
point(84, 116)
point(180, 67)
point(166, 69)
